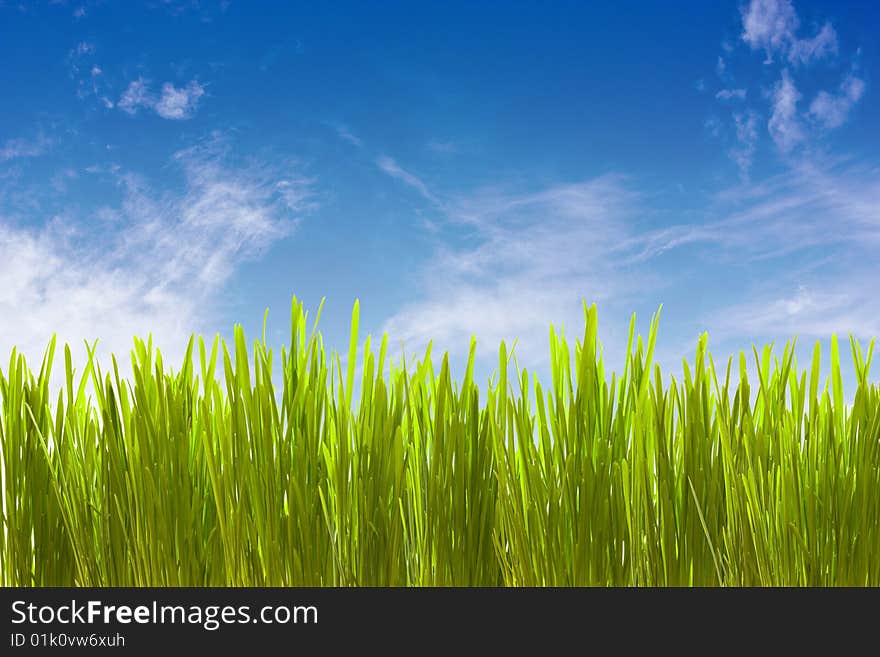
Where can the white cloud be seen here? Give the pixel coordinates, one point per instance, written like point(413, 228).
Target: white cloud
point(172, 103)
point(769, 25)
point(731, 94)
point(49, 287)
point(389, 166)
point(720, 66)
point(832, 110)
point(772, 25)
point(135, 96)
point(154, 263)
point(784, 124)
point(16, 148)
point(180, 103)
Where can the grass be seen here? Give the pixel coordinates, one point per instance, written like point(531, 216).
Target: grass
point(226, 472)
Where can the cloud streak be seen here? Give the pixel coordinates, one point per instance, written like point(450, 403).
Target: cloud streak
point(393, 169)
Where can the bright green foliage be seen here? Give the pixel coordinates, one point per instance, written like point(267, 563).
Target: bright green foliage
point(211, 475)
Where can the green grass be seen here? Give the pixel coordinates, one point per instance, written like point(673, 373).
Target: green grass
point(228, 472)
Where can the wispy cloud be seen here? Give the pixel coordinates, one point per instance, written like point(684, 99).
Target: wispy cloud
point(88, 75)
point(206, 10)
point(347, 135)
point(442, 147)
point(16, 148)
point(171, 103)
point(784, 125)
point(390, 166)
point(508, 263)
point(527, 259)
point(812, 310)
point(824, 44)
point(156, 263)
point(62, 177)
point(747, 139)
point(713, 126)
point(81, 49)
point(731, 94)
point(813, 203)
point(806, 244)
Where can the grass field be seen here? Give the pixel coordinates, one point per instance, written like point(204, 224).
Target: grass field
point(229, 471)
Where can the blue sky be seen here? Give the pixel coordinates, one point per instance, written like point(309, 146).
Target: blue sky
point(172, 166)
